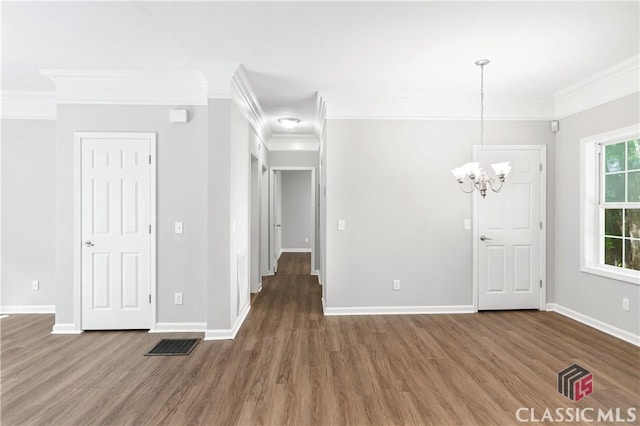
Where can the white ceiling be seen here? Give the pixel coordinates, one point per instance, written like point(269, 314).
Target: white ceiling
point(373, 52)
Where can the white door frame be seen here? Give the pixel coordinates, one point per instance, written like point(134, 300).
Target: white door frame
point(77, 218)
point(312, 241)
point(543, 217)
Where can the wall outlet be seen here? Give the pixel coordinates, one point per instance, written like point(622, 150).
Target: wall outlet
point(625, 304)
point(342, 225)
point(35, 285)
point(396, 285)
point(178, 228)
point(467, 224)
point(177, 298)
point(306, 239)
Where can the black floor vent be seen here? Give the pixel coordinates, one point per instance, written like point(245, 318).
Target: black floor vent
point(173, 347)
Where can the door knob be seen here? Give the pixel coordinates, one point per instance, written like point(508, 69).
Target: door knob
point(483, 238)
point(89, 243)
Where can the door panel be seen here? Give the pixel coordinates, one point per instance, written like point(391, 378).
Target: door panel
point(509, 258)
point(116, 217)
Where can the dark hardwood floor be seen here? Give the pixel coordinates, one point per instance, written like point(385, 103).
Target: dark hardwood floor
point(291, 365)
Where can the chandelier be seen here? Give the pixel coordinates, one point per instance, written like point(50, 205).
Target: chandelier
point(472, 176)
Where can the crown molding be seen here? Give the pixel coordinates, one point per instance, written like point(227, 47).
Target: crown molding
point(605, 86)
point(28, 106)
point(293, 142)
point(321, 116)
point(219, 76)
point(246, 100)
point(183, 87)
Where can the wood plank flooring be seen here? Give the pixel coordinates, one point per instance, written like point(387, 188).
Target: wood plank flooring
point(291, 365)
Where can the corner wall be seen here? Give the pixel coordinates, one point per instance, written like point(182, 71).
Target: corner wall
point(593, 296)
point(28, 205)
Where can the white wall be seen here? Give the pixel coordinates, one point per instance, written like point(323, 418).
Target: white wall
point(296, 210)
point(391, 181)
point(591, 295)
point(28, 202)
point(218, 287)
point(182, 196)
point(256, 173)
point(239, 205)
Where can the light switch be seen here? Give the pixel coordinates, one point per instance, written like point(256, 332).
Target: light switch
point(341, 225)
point(177, 227)
point(467, 224)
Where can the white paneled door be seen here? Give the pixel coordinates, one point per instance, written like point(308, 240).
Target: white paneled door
point(116, 199)
point(509, 233)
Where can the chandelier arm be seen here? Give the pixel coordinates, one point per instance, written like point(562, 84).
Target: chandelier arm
point(469, 191)
point(492, 181)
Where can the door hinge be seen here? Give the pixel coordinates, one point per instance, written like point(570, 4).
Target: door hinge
point(149, 158)
point(540, 225)
point(540, 166)
point(540, 283)
point(149, 298)
point(149, 228)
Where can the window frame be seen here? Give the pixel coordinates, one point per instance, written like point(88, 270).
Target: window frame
point(592, 204)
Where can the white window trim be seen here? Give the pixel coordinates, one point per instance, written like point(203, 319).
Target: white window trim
point(589, 203)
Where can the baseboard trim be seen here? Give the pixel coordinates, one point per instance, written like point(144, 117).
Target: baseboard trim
point(28, 309)
point(278, 254)
point(179, 327)
point(398, 310)
point(65, 328)
point(315, 272)
point(228, 334)
point(594, 323)
point(295, 250)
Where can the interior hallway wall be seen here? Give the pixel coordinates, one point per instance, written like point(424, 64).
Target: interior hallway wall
point(297, 227)
point(28, 204)
point(181, 186)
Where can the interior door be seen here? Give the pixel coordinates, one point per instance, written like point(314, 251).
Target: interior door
point(509, 232)
point(116, 232)
point(277, 217)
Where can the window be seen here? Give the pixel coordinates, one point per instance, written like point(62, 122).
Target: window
point(610, 199)
point(619, 199)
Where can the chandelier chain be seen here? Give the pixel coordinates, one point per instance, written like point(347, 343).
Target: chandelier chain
point(481, 105)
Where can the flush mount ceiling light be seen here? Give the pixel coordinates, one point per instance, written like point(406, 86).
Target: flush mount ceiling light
point(472, 175)
point(289, 123)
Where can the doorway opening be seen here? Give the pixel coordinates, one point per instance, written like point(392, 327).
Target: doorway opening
point(292, 214)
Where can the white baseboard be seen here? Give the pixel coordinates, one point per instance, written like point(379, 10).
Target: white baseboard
point(63, 328)
point(228, 334)
point(28, 309)
point(398, 310)
point(179, 327)
point(634, 339)
point(278, 254)
point(315, 272)
point(324, 308)
point(3, 316)
point(295, 250)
